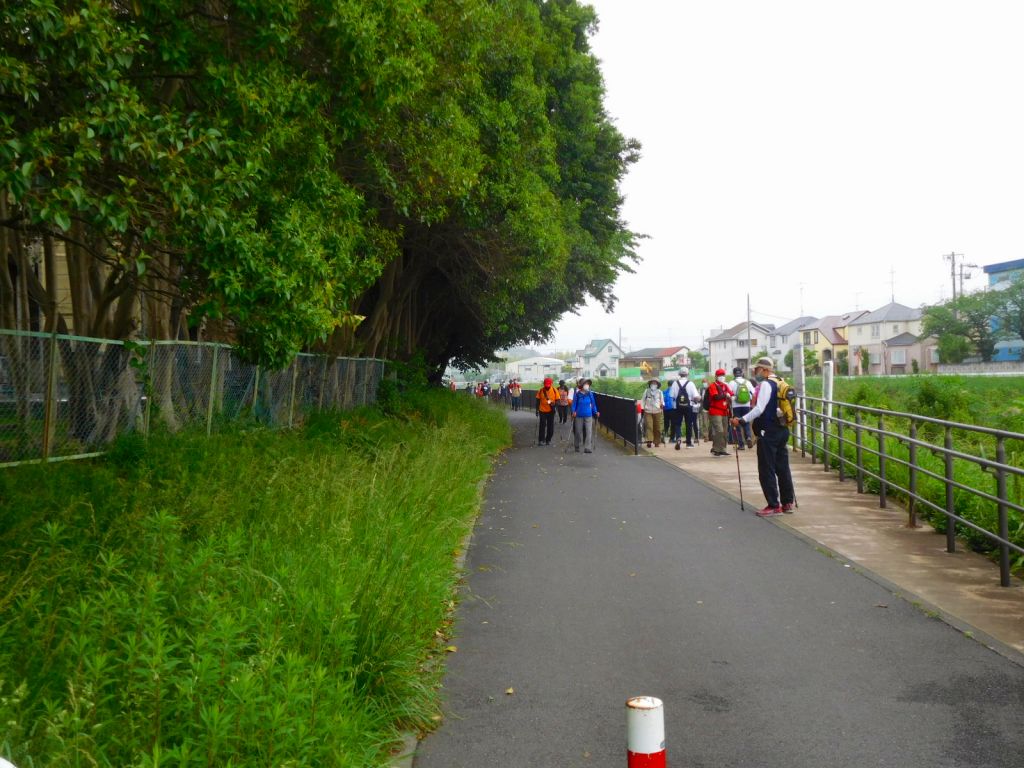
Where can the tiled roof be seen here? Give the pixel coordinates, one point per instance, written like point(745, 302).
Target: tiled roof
point(903, 340)
point(652, 352)
point(890, 313)
point(730, 333)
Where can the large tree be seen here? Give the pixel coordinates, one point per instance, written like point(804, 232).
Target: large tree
point(968, 317)
point(387, 178)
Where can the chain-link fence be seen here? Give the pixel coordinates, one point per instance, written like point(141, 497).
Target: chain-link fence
point(69, 396)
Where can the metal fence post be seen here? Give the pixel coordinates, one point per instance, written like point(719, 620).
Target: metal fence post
point(860, 453)
point(1004, 528)
point(882, 487)
point(150, 368)
point(912, 504)
point(256, 391)
point(814, 450)
point(950, 523)
point(295, 379)
point(213, 390)
point(51, 395)
point(840, 448)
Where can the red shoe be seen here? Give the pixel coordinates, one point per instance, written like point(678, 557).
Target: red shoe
point(769, 512)
point(787, 508)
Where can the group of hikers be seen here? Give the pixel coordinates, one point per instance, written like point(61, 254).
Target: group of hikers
point(565, 401)
point(735, 412)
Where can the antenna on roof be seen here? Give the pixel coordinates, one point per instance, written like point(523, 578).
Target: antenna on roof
point(892, 284)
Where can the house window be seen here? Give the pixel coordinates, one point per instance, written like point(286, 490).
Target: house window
point(741, 342)
point(935, 355)
point(876, 358)
point(899, 356)
point(609, 347)
point(753, 342)
point(895, 328)
point(815, 337)
point(771, 341)
point(876, 330)
point(860, 330)
point(807, 338)
point(784, 338)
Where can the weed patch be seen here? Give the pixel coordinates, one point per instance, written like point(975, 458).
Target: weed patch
point(254, 598)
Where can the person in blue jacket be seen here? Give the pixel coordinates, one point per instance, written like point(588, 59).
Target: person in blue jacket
point(584, 411)
point(670, 406)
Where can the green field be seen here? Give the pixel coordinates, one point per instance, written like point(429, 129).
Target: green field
point(254, 598)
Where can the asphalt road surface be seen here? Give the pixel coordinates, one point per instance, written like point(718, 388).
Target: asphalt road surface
point(594, 578)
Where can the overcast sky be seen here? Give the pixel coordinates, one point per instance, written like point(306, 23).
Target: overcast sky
point(807, 144)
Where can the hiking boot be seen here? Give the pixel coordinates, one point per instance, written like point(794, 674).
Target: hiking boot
point(677, 446)
point(787, 508)
point(750, 443)
point(769, 511)
point(587, 450)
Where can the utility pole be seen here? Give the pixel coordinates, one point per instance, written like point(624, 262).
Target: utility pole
point(952, 269)
point(963, 267)
point(750, 352)
point(892, 284)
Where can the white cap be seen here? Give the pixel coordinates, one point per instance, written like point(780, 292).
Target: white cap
point(684, 372)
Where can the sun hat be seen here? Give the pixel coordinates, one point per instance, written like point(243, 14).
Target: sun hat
point(764, 362)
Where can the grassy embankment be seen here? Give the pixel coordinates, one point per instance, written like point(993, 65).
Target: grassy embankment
point(255, 598)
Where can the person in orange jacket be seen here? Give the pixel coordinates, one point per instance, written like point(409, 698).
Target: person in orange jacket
point(547, 399)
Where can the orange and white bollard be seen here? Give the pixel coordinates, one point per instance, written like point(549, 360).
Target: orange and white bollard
point(645, 732)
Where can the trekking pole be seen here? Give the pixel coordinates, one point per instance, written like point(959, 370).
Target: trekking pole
point(736, 452)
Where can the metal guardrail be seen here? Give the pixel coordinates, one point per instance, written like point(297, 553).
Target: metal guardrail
point(894, 450)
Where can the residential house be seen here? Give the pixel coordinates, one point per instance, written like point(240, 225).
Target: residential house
point(535, 369)
point(999, 277)
point(867, 334)
point(728, 349)
point(782, 339)
point(901, 352)
point(827, 335)
point(653, 360)
point(599, 359)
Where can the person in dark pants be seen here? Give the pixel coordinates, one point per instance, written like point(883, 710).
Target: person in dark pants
point(547, 399)
point(688, 401)
point(563, 402)
point(772, 442)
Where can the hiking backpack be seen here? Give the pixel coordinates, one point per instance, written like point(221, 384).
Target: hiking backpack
point(705, 399)
point(786, 397)
point(742, 392)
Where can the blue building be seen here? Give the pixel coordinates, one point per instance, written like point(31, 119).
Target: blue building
point(999, 276)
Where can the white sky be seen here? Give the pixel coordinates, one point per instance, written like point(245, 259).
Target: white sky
point(845, 139)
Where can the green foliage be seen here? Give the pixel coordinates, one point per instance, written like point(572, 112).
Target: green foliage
point(254, 598)
point(401, 177)
point(843, 363)
point(698, 362)
point(966, 320)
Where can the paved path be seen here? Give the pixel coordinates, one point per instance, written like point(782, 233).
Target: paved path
point(592, 578)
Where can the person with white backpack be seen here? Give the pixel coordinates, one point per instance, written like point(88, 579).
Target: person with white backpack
point(743, 394)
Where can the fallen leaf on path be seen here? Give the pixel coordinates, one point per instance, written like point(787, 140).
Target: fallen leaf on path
point(510, 691)
point(452, 648)
point(881, 605)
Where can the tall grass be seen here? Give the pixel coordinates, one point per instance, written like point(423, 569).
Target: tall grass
point(255, 598)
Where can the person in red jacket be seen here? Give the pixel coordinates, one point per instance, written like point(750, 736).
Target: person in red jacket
point(721, 403)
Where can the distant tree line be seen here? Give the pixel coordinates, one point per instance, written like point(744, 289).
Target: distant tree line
point(402, 178)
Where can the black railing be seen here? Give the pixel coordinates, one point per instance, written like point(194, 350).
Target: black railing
point(619, 416)
point(901, 454)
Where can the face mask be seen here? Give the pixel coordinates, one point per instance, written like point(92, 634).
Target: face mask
point(654, 387)
point(759, 377)
point(721, 379)
point(586, 387)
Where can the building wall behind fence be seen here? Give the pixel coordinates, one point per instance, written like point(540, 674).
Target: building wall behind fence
point(69, 397)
